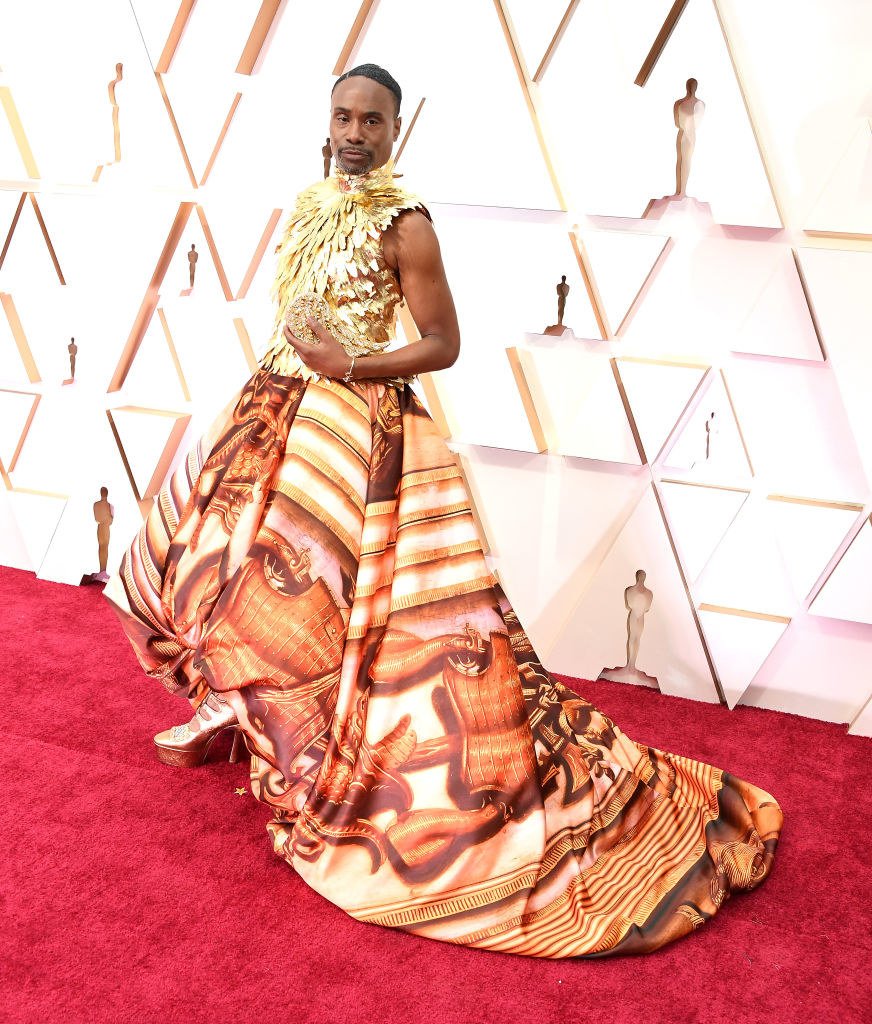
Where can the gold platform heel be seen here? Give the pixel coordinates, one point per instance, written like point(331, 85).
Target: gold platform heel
point(186, 746)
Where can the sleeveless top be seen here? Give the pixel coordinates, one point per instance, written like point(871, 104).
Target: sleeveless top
point(332, 246)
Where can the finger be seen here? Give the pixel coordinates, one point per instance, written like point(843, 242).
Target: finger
point(319, 330)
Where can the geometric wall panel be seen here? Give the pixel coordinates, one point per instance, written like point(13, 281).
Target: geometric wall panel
point(16, 411)
point(576, 397)
point(658, 394)
point(795, 424)
point(621, 262)
point(739, 644)
point(155, 371)
point(711, 445)
point(37, 517)
point(819, 670)
point(780, 324)
point(13, 549)
point(147, 440)
point(847, 594)
point(845, 205)
point(699, 516)
point(746, 571)
point(838, 282)
point(808, 534)
point(497, 158)
point(595, 634)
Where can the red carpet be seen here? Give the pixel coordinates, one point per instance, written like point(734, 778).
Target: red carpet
point(137, 892)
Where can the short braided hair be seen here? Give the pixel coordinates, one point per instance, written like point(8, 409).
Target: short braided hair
point(377, 74)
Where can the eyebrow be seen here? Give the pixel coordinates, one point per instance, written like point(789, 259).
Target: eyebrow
point(368, 113)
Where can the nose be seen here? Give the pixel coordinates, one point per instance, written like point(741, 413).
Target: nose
point(354, 133)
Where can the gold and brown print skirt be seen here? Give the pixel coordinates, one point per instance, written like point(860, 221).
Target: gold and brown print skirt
point(315, 560)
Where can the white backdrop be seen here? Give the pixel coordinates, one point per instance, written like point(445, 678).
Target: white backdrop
point(538, 155)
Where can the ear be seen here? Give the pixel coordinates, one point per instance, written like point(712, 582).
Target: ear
point(397, 123)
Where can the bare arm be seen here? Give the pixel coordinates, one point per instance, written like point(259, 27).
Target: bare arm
point(411, 248)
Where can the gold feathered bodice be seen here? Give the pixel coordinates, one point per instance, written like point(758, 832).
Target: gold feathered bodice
point(332, 246)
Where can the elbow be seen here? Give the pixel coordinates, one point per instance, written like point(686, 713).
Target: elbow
point(452, 351)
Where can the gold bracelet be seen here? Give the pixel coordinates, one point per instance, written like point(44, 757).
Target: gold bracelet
point(347, 377)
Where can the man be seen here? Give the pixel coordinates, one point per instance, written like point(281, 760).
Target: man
point(312, 580)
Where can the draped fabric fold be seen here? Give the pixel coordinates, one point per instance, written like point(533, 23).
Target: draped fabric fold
point(316, 561)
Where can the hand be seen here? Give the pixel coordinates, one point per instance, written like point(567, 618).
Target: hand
point(326, 356)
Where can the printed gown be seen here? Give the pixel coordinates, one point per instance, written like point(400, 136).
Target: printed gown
point(316, 561)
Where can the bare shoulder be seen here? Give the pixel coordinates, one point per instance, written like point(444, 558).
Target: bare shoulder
point(410, 237)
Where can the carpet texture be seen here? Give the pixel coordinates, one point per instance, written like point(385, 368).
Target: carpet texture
point(133, 891)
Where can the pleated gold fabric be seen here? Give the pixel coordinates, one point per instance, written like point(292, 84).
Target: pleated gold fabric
point(315, 560)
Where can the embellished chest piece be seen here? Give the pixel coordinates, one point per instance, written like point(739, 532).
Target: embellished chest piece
point(332, 246)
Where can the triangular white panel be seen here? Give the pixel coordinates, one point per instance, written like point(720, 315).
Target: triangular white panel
point(698, 517)
point(535, 25)
point(795, 425)
point(208, 347)
point(13, 549)
point(845, 204)
point(838, 283)
point(621, 262)
point(780, 324)
point(153, 374)
point(201, 103)
point(579, 403)
point(739, 644)
point(746, 571)
point(594, 636)
point(847, 594)
point(496, 159)
point(16, 408)
point(564, 516)
point(621, 149)
point(144, 437)
point(710, 446)
point(658, 394)
point(37, 516)
point(862, 723)
point(808, 536)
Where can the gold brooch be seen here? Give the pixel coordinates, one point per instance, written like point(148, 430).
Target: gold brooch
point(309, 304)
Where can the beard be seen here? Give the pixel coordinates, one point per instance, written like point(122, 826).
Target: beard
point(360, 168)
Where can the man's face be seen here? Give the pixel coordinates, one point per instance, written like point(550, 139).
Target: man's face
point(363, 127)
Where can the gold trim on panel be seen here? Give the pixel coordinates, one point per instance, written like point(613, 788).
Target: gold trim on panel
point(628, 412)
point(659, 44)
point(151, 298)
point(180, 23)
point(259, 253)
point(171, 345)
point(221, 136)
point(587, 275)
point(405, 138)
point(20, 338)
point(845, 506)
point(531, 95)
point(213, 249)
point(527, 381)
point(261, 28)
point(738, 424)
point(18, 133)
point(355, 35)
point(245, 342)
point(176, 130)
point(803, 283)
point(39, 219)
point(555, 40)
point(26, 428)
point(744, 614)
